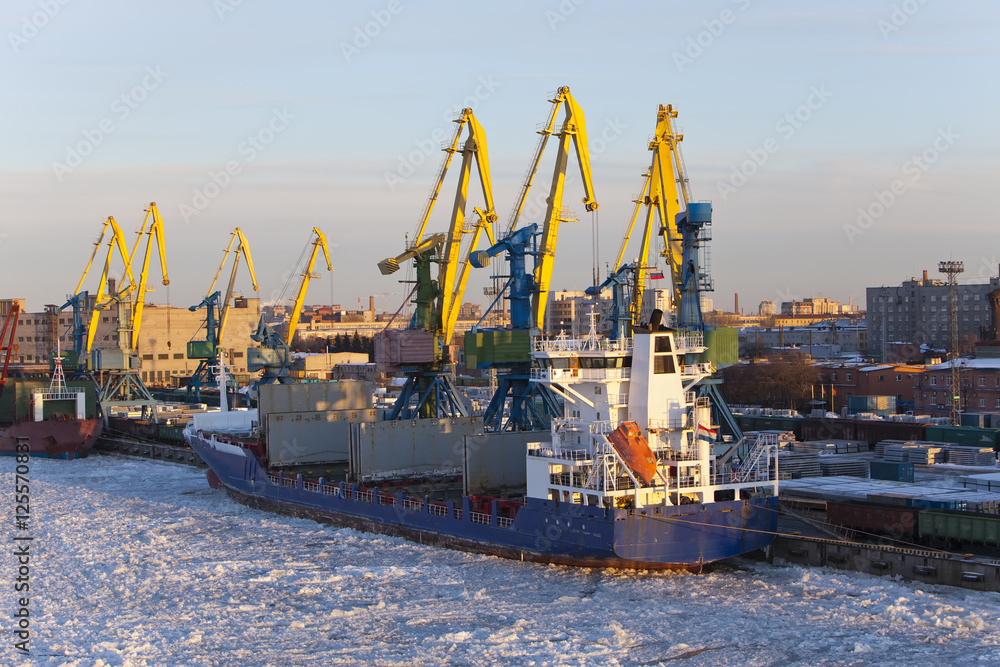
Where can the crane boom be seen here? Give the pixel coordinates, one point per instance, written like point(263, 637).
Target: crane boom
point(574, 129)
point(665, 194)
point(307, 275)
point(453, 272)
point(442, 172)
point(7, 345)
point(155, 232)
point(452, 275)
point(242, 247)
point(117, 240)
point(545, 132)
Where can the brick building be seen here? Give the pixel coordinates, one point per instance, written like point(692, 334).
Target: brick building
point(919, 312)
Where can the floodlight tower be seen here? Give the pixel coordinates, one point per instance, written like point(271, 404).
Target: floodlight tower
point(952, 269)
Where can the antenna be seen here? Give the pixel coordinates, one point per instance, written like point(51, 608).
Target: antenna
point(952, 269)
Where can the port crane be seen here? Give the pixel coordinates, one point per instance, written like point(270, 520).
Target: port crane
point(81, 301)
point(7, 345)
point(685, 226)
point(508, 351)
point(274, 354)
point(216, 315)
point(419, 349)
point(116, 372)
point(664, 194)
point(573, 130)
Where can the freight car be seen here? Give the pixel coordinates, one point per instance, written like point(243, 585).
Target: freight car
point(946, 528)
point(935, 528)
point(898, 522)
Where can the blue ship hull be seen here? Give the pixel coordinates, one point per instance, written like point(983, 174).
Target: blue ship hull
point(676, 537)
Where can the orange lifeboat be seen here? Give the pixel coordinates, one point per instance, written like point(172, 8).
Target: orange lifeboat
point(633, 447)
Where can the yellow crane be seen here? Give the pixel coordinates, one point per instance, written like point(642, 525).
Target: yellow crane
point(454, 270)
point(116, 240)
point(420, 347)
point(207, 351)
point(665, 194)
point(242, 247)
point(119, 383)
point(307, 275)
point(272, 357)
point(154, 231)
point(573, 129)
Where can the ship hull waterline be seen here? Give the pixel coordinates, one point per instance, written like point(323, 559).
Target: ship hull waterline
point(685, 537)
point(52, 438)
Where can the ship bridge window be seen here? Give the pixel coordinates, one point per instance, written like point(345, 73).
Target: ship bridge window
point(560, 362)
point(663, 363)
point(594, 362)
point(663, 344)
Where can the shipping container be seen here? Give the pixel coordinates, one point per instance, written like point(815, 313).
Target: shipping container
point(485, 348)
point(723, 345)
point(895, 472)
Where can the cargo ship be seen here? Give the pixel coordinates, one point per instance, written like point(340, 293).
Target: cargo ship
point(57, 418)
point(631, 475)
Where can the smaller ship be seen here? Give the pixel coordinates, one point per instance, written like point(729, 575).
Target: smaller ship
point(52, 418)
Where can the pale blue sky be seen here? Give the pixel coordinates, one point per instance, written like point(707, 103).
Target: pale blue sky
point(886, 80)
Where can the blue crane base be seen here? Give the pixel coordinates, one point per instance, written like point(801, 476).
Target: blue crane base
point(532, 406)
point(428, 395)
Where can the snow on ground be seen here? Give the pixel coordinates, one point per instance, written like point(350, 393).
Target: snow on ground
point(141, 563)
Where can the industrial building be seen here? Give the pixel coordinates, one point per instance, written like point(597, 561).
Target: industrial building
point(918, 311)
point(162, 341)
point(820, 340)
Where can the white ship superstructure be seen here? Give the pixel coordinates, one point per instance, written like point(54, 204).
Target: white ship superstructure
point(640, 388)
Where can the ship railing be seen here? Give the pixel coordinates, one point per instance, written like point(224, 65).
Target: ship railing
point(411, 504)
point(437, 510)
point(364, 496)
point(594, 374)
point(458, 513)
point(684, 482)
point(479, 517)
point(696, 369)
point(577, 426)
point(504, 522)
point(280, 480)
point(668, 424)
point(689, 341)
point(311, 486)
point(581, 345)
point(331, 490)
point(386, 499)
point(618, 399)
point(566, 454)
point(674, 455)
point(575, 479)
point(65, 394)
point(756, 464)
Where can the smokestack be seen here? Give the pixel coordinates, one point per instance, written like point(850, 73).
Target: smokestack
point(736, 305)
point(925, 275)
point(111, 287)
point(371, 303)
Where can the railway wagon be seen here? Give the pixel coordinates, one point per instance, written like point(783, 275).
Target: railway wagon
point(948, 526)
point(895, 521)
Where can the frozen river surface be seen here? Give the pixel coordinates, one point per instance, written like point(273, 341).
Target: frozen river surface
point(141, 563)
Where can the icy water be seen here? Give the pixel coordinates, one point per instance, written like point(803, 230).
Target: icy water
point(141, 563)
